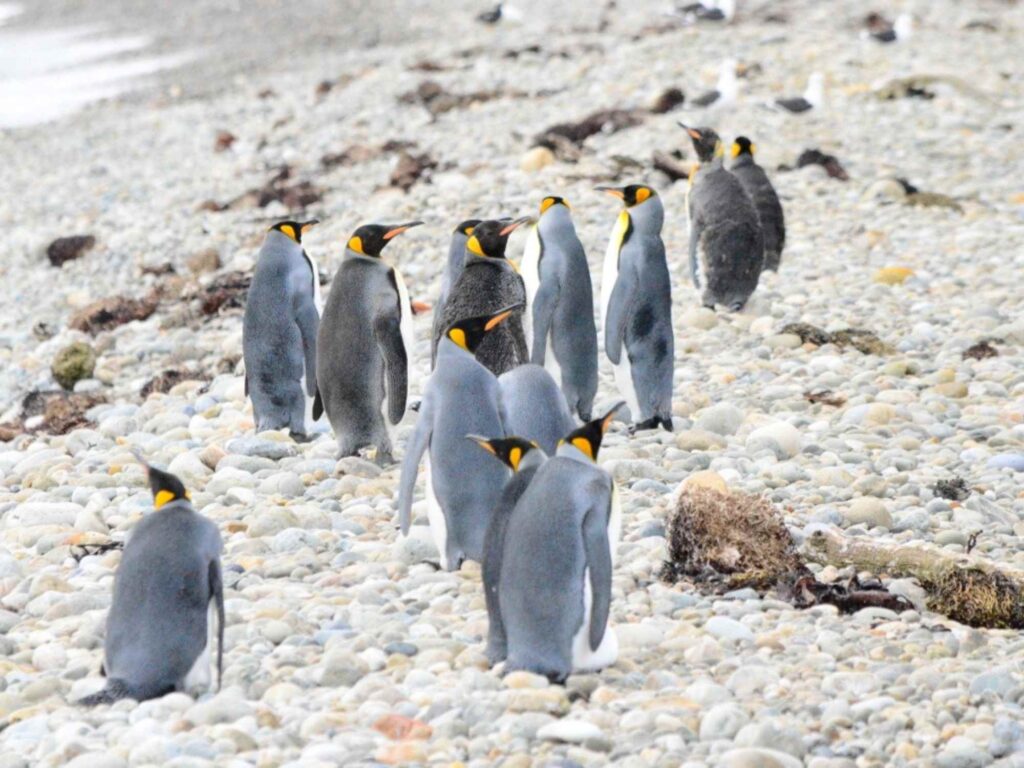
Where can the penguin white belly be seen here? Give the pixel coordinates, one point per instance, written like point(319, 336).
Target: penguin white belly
point(435, 516)
point(583, 658)
point(199, 676)
point(551, 362)
point(615, 523)
point(610, 271)
point(318, 299)
point(530, 270)
point(624, 381)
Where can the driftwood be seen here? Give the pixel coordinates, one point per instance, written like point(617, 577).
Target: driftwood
point(966, 588)
point(902, 86)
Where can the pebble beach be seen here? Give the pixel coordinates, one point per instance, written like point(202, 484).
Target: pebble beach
point(344, 646)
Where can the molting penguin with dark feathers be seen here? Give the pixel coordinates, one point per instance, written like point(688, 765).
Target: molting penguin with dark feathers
point(726, 242)
point(760, 190)
point(489, 282)
point(453, 269)
point(365, 345)
point(168, 594)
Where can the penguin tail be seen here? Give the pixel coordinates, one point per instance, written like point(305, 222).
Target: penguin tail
point(115, 690)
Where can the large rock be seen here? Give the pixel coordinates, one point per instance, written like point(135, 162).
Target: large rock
point(758, 758)
point(721, 419)
point(723, 721)
point(781, 438)
point(868, 511)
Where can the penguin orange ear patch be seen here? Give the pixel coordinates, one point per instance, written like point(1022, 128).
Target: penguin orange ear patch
point(642, 194)
point(736, 149)
point(162, 498)
point(546, 203)
point(719, 149)
point(458, 336)
point(473, 246)
point(584, 447)
point(356, 244)
point(289, 230)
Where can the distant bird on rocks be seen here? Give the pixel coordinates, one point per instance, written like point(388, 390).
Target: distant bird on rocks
point(713, 10)
point(882, 31)
point(493, 16)
point(725, 92)
point(726, 243)
point(769, 210)
point(813, 97)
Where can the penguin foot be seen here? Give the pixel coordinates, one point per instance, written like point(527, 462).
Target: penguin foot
point(651, 423)
point(666, 424)
point(433, 564)
point(415, 405)
point(301, 437)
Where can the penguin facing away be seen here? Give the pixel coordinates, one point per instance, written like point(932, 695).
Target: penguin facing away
point(726, 241)
point(636, 301)
point(559, 319)
point(365, 345)
point(535, 406)
point(760, 190)
point(489, 282)
point(461, 398)
point(279, 330)
point(523, 457)
point(456, 260)
point(168, 591)
point(555, 582)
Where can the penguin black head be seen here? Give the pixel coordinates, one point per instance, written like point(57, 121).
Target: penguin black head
point(164, 486)
point(466, 228)
point(489, 238)
point(630, 195)
point(587, 439)
point(743, 146)
point(552, 200)
point(510, 450)
point(470, 332)
point(294, 229)
point(370, 239)
point(706, 143)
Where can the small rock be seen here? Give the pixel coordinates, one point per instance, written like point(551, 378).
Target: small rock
point(868, 511)
point(892, 275)
point(781, 438)
point(205, 261)
point(73, 363)
point(1014, 461)
point(728, 629)
point(570, 731)
point(721, 419)
point(68, 248)
point(536, 158)
point(722, 721)
point(341, 668)
point(758, 758)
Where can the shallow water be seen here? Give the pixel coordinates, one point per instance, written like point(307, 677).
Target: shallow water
point(48, 74)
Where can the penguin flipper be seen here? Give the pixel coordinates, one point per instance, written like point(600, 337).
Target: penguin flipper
point(543, 311)
point(309, 321)
point(217, 594)
point(410, 464)
point(599, 561)
point(620, 309)
point(389, 339)
point(318, 405)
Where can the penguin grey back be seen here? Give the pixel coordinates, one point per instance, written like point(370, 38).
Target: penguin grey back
point(638, 323)
point(461, 398)
point(563, 308)
point(279, 333)
point(157, 627)
point(535, 407)
point(726, 242)
point(759, 188)
point(362, 369)
point(557, 534)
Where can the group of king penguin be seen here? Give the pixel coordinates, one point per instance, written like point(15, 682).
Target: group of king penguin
point(505, 422)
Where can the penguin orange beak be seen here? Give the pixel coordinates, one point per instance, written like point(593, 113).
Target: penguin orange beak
point(509, 228)
point(607, 420)
point(396, 231)
point(613, 191)
point(483, 442)
point(308, 225)
point(693, 132)
point(501, 317)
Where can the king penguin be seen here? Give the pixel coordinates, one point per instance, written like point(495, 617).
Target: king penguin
point(636, 301)
point(168, 592)
point(535, 406)
point(365, 343)
point(555, 583)
point(461, 398)
point(489, 282)
point(760, 190)
point(456, 261)
point(524, 458)
point(559, 319)
point(726, 242)
point(282, 313)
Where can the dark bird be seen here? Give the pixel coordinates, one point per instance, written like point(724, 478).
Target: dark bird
point(492, 16)
point(725, 91)
point(812, 98)
point(882, 31)
point(715, 10)
point(759, 188)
